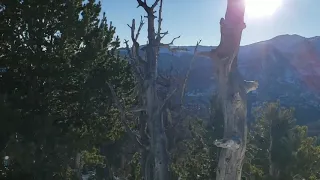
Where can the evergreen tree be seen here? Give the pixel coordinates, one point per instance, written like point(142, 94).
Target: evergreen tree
point(279, 149)
point(56, 107)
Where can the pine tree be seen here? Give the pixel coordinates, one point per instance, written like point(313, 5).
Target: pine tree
point(278, 148)
point(55, 102)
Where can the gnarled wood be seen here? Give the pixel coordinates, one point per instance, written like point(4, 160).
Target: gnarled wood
point(232, 90)
point(155, 164)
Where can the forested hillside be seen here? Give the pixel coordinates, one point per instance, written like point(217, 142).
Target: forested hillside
point(74, 105)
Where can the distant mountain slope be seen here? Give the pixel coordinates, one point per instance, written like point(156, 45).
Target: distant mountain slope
point(287, 68)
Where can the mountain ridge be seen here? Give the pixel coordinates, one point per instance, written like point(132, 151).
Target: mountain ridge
point(286, 66)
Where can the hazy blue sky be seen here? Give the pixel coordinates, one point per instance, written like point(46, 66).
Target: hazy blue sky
point(199, 19)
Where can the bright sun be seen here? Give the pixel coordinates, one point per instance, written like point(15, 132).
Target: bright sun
point(261, 8)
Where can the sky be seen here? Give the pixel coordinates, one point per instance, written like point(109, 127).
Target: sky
point(199, 19)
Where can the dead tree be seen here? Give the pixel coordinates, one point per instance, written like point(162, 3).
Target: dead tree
point(232, 90)
point(151, 137)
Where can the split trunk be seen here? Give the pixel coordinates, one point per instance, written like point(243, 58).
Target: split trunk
point(232, 90)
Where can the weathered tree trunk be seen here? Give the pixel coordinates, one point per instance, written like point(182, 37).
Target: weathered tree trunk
point(153, 106)
point(232, 90)
point(154, 152)
point(78, 166)
point(153, 141)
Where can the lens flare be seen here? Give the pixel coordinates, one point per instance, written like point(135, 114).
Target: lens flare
point(261, 8)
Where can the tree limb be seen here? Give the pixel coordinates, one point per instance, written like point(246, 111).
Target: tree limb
point(144, 5)
point(148, 9)
point(134, 38)
point(160, 22)
point(155, 4)
point(171, 43)
point(161, 35)
point(134, 64)
point(188, 73)
point(137, 109)
point(165, 102)
point(139, 29)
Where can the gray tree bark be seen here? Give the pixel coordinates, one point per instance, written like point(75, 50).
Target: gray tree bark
point(151, 136)
point(232, 90)
point(78, 165)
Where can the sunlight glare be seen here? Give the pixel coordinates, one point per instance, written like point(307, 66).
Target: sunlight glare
point(261, 8)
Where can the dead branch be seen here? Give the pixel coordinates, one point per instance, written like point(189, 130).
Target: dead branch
point(188, 73)
point(134, 64)
point(137, 109)
point(171, 43)
point(132, 134)
point(165, 102)
point(134, 53)
point(139, 29)
point(160, 22)
point(144, 5)
point(155, 4)
point(148, 9)
point(134, 38)
point(161, 35)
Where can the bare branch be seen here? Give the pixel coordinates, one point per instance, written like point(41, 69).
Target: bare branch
point(160, 21)
point(134, 64)
point(188, 73)
point(155, 4)
point(133, 28)
point(167, 99)
point(250, 85)
point(149, 9)
point(137, 109)
point(162, 34)
point(144, 5)
point(127, 47)
point(133, 135)
point(139, 29)
point(134, 38)
point(171, 43)
point(134, 54)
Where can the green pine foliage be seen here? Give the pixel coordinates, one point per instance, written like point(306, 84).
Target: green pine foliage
point(54, 98)
point(292, 153)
